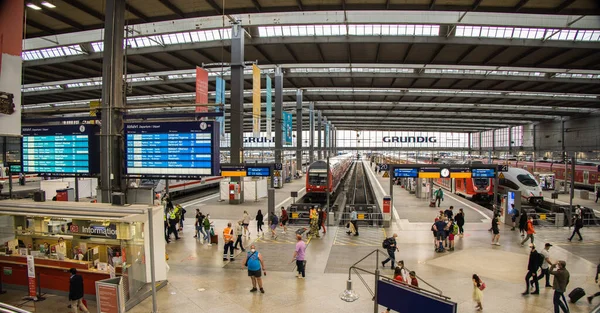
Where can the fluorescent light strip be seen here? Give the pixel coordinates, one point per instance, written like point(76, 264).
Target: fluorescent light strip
point(48, 4)
point(33, 6)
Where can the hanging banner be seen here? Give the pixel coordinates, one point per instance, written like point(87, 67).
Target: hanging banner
point(220, 99)
point(201, 89)
point(255, 100)
point(269, 108)
point(31, 277)
point(287, 128)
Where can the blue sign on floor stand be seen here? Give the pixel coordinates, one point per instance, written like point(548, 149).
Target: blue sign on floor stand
point(406, 299)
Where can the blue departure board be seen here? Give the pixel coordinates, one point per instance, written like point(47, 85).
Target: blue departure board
point(63, 150)
point(187, 149)
point(483, 173)
point(405, 172)
point(258, 171)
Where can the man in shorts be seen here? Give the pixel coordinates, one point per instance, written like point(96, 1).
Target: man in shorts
point(256, 268)
point(439, 227)
point(284, 219)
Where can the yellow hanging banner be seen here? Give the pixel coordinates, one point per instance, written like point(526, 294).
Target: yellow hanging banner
point(255, 100)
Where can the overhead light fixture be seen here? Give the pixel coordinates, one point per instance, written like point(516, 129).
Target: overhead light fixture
point(48, 4)
point(33, 6)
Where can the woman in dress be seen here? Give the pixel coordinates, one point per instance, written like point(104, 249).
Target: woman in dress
point(477, 292)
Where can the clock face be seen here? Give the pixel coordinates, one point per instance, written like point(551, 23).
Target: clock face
point(203, 125)
point(445, 172)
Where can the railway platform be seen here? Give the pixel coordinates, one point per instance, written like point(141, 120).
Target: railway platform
point(563, 199)
point(20, 191)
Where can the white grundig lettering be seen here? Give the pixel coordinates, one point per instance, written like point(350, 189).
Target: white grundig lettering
point(105, 231)
point(258, 139)
point(407, 139)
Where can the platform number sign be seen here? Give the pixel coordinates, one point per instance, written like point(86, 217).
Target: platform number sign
point(278, 166)
point(384, 167)
point(502, 168)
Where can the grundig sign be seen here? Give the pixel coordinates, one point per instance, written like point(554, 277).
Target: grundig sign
point(407, 139)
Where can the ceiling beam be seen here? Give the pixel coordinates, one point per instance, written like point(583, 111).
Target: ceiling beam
point(494, 54)
point(257, 5)
point(215, 6)
point(300, 5)
point(183, 59)
point(431, 4)
point(520, 5)
point(407, 53)
point(39, 26)
point(205, 55)
point(551, 56)
point(84, 8)
point(476, 5)
point(437, 53)
point(136, 12)
point(158, 61)
point(61, 18)
point(140, 65)
point(172, 7)
point(464, 55)
point(261, 51)
point(522, 55)
point(564, 5)
point(292, 53)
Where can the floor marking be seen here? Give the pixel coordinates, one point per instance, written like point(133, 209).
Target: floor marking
point(192, 202)
point(468, 205)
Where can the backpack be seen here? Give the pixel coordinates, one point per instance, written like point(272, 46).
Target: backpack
point(386, 243)
point(541, 259)
point(455, 229)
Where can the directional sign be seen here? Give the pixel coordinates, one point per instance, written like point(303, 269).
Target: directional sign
point(406, 172)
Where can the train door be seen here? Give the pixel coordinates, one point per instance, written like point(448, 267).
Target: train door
point(586, 177)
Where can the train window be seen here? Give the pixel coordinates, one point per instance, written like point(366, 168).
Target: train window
point(480, 182)
point(317, 179)
point(510, 184)
point(527, 180)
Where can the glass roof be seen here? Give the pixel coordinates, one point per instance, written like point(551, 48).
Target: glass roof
point(52, 52)
point(527, 33)
point(351, 29)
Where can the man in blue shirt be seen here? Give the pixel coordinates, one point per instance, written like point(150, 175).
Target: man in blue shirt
point(256, 267)
point(354, 220)
point(438, 227)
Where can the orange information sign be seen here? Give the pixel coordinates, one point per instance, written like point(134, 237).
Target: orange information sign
point(108, 299)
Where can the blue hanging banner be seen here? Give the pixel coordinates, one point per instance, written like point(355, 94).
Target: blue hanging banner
point(287, 128)
point(220, 99)
point(269, 108)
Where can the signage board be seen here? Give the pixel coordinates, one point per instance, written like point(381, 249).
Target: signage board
point(233, 170)
point(483, 173)
point(31, 276)
point(406, 172)
point(502, 168)
point(258, 171)
point(106, 231)
point(63, 150)
point(413, 300)
point(15, 167)
point(430, 172)
point(460, 172)
point(184, 149)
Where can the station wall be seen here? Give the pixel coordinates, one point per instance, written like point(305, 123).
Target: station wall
point(581, 135)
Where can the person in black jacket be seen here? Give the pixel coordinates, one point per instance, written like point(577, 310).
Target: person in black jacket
point(532, 267)
point(578, 223)
point(76, 292)
point(523, 223)
point(460, 221)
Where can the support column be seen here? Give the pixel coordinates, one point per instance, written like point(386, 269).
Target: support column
point(278, 115)
point(493, 143)
point(534, 147)
point(237, 104)
point(564, 152)
point(11, 65)
point(319, 121)
point(480, 147)
point(510, 140)
point(111, 148)
point(325, 137)
point(299, 130)
point(311, 132)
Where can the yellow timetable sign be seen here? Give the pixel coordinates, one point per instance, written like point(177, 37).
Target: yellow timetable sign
point(294, 215)
point(361, 216)
point(233, 173)
point(233, 170)
point(460, 175)
point(429, 175)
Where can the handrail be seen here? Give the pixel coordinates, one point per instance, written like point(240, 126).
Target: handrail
point(5, 308)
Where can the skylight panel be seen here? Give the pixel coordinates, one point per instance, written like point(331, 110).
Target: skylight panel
point(54, 52)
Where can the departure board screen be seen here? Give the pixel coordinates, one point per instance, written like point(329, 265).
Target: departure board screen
point(405, 172)
point(64, 150)
point(186, 149)
point(483, 173)
point(258, 171)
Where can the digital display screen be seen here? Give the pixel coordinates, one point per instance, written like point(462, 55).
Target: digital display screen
point(405, 172)
point(483, 173)
point(258, 171)
point(15, 168)
point(187, 149)
point(63, 150)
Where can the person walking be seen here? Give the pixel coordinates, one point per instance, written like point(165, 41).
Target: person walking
point(198, 224)
point(354, 220)
point(496, 231)
point(259, 223)
point(273, 225)
point(532, 267)
point(321, 219)
point(439, 227)
point(245, 223)
point(228, 242)
point(449, 213)
point(314, 222)
point(256, 267)
point(597, 194)
point(530, 231)
point(559, 284)
point(439, 196)
point(207, 224)
point(546, 264)
point(597, 294)
point(238, 233)
point(390, 245)
point(523, 222)
point(172, 224)
point(76, 292)
point(284, 219)
point(578, 225)
point(514, 217)
point(460, 221)
point(300, 256)
point(478, 287)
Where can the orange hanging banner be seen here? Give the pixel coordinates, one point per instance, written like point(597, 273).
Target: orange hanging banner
point(201, 89)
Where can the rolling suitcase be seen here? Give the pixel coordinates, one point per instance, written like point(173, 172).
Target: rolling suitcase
point(576, 294)
point(214, 239)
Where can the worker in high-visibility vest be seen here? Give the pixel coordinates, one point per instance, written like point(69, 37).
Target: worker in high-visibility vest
point(314, 222)
point(165, 213)
point(172, 223)
point(228, 240)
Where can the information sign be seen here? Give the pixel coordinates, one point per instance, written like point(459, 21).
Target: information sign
point(460, 172)
point(430, 172)
point(233, 170)
point(63, 150)
point(406, 172)
point(187, 149)
point(483, 173)
point(258, 171)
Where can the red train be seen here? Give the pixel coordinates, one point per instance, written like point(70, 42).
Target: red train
point(586, 176)
point(478, 189)
point(316, 180)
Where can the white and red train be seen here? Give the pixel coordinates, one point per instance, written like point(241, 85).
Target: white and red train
point(586, 176)
point(182, 186)
point(318, 176)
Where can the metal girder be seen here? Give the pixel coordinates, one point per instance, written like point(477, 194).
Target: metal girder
point(384, 115)
point(431, 4)
point(61, 18)
point(215, 6)
point(495, 54)
point(552, 56)
point(564, 5)
point(172, 7)
point(205, 55)
point(183, 59)
point(292, 53)
point(261, 51)
point(411, 41)
point(84, 8)
point(257, 5)
point(300, 5)
point(520, 5)
point(158, 61)
point(136, 12)
point(39, 26)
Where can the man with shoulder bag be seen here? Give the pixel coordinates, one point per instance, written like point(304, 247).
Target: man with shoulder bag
point(390, 245)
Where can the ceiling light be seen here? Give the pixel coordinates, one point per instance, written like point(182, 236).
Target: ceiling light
point(48, 4)
point(33, 6)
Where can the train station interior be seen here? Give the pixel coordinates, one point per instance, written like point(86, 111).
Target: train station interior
point(355, 155)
